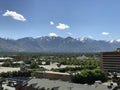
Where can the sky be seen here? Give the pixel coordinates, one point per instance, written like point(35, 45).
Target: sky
point(96, 19)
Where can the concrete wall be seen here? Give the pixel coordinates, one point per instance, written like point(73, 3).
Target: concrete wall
point(53, 76)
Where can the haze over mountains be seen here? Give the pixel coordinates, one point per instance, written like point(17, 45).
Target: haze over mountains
point(57, 44)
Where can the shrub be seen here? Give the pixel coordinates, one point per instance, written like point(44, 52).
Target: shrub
point(89, 76)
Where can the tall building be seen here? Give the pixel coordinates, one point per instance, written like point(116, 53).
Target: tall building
point(110, 61)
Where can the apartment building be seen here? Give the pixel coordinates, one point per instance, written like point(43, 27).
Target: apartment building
point(110, 61)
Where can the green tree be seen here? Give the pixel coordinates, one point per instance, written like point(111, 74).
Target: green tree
point(1, 88)
point(89, 76)
point(33, 65)
point(7, 64)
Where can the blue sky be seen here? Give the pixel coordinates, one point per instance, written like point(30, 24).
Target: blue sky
point(97, 19)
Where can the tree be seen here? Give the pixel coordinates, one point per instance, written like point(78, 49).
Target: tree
point(7, 64)
point(33, 65)
point(89, 76)
point(116, 78)
point(99, 75)
point(1, 88)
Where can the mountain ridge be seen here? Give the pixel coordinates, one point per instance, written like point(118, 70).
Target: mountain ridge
point(57, 44)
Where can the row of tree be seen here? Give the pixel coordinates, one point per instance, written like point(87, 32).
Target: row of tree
point(9, 63)
point(27, 73)
point(89, 76)
point(73, 69)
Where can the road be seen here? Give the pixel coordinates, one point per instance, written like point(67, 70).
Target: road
point(7, 87)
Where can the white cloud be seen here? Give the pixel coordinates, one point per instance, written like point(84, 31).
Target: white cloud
point(53, 34)
point(62, 26)
point(14, 15)
point(105, 33)
point(51, 23)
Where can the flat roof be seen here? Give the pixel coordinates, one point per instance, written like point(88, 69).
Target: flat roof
point(51, 72)
point(39, 83)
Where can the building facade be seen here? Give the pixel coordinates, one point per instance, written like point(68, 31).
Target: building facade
point(110, 61)
point(53, 75)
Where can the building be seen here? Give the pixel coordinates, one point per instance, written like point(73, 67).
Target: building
point(6, 58)
point(110, 61)
point(53, 75)
point(46, 84)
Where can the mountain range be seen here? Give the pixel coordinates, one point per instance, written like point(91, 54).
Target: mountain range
point(57, 44)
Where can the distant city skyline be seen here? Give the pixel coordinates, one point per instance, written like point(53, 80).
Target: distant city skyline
point(96, 19)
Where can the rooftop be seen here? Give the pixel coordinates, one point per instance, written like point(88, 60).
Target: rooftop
point(63, 85)
point(51, 72)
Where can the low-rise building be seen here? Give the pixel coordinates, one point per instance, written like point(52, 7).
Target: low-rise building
point(46, 84)
point(53, 75)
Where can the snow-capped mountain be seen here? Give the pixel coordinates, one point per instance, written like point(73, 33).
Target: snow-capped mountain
point(115, 41)
point(85, 39)
point(57, 44)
